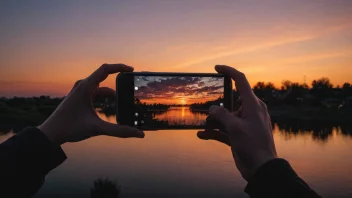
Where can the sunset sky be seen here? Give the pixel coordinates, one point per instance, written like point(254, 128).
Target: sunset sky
point(47, 45)
point(178, 90)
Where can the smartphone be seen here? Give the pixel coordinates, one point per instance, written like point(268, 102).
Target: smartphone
point(155, 101)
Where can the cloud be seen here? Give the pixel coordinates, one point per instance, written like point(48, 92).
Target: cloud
point(173, 88)
point(173, 82)
point(201, 84)
point(319, 56)
point(245, 50)
point(145, 79)
point(229, 51)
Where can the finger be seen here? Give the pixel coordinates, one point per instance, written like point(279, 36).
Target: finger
point(103, 71)
point(223, 116)
point(212, 123)
point(118, 130)
point(262, 104)
point(272, 137)
point(75, 85)
point(239, 112)
point(214, 135)
point(241, 82)
point(238, 107)
point(237, 103)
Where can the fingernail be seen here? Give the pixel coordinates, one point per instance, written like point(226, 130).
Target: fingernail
point(140, 134)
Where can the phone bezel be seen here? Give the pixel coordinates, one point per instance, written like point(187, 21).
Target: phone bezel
point(228, 92)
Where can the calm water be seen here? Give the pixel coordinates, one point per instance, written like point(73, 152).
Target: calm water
point(181, 116)
point(177, 164)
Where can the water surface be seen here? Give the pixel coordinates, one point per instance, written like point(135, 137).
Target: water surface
point(181, 116)
point(175, 163)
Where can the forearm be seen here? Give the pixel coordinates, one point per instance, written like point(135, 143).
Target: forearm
point(277, 179)
point(26, 159)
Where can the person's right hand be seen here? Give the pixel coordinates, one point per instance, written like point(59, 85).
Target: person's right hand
point(249, 130)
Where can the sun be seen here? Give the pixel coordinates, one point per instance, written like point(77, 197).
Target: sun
point(183, 101)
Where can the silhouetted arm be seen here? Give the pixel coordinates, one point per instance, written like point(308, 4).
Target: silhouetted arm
point(248, 131)
point(277, 179)
point(27, 157)
point(25, 160)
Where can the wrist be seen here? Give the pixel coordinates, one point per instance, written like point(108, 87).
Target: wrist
point(261, 161)
point(51, 133)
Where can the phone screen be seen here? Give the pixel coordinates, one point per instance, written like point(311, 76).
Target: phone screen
point(179, 101)
point(174, 102)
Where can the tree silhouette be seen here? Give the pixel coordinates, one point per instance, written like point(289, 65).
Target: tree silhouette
point(206, 105)
point(322, 83)
point(259, 86)
point(294, 92)
point(263, 90)
point(270, 86)
point(346, 86)
point(322, 88)
point(287, 85)
point(347, 89)
point(105, 188)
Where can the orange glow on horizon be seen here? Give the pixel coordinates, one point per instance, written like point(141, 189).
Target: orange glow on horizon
point(171, 101)
point(46, 57)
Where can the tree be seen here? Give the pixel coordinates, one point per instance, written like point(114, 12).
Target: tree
point(264, 86)
point(322, 88)
point(270, 86)
point(346, 86)
point(263, 90)
point(286, 85)
point(293, 92)
point(259, 86)
point(322, 83)
point(347, 89)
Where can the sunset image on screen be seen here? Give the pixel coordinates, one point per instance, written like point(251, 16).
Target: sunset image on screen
point(176, 100)
point(178, 90)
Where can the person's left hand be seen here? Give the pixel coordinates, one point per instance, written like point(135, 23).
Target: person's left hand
point(75, 118)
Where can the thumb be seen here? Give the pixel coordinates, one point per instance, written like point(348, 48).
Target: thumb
point(214, 135)
point(224, 117)
point(120, 131)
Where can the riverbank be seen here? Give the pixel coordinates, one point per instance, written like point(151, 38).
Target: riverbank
point(311, 114)
point(16, 119)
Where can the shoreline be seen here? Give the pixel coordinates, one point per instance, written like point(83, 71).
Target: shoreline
point(19, 119)
point(311, 114)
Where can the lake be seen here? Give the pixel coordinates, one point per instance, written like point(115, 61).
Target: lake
point(175, 163)
point(181, 116)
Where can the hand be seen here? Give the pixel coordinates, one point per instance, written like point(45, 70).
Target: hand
point(75, 118)
point(249, 130)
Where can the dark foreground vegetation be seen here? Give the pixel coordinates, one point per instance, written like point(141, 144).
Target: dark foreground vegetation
point(105, 188)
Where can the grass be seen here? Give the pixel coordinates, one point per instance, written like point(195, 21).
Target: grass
point(105, 188)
